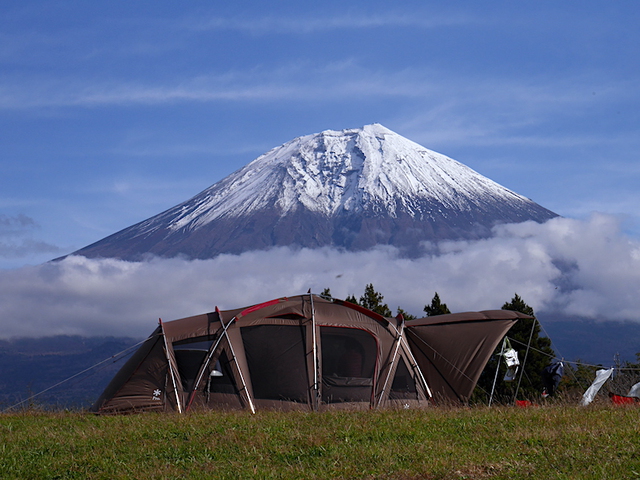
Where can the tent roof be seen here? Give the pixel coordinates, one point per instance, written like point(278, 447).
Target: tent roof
point(467, 317)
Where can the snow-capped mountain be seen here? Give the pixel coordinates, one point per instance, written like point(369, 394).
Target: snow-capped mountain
point(351, 189)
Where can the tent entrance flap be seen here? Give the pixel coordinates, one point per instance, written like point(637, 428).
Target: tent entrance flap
point(348, 364)
point(403, 385)
point(276, 361)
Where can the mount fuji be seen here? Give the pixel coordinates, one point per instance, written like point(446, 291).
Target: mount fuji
point(351, 189)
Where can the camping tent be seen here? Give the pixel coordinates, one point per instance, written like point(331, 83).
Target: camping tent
point(302, 352)
point(452, 350)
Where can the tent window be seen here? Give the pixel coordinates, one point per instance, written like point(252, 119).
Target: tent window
point(189, 357)
point(276, 359)
point(199, 343)
point(403, 386)
point(348, 364)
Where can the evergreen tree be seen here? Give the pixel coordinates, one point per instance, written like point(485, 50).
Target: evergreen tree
point(436, 307)
point(540, 355)
point(518, 305)
point(352, 299)
point(373, 301)
point(326, 293)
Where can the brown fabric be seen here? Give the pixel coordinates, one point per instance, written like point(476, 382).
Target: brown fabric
point(140, 385)
point(452, 350)
point(266, 358)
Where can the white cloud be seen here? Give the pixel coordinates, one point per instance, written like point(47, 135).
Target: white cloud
point(573, 267)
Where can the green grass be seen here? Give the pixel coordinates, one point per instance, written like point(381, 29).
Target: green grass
point(543, 443)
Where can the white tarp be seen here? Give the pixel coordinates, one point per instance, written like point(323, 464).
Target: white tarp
point(601, 377)
point(635, 391)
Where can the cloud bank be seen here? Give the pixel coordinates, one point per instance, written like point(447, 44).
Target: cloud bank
point(572, 267)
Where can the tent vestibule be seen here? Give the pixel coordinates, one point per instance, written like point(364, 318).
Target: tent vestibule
point(452, 350)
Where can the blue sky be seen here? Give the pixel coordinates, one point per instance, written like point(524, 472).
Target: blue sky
point(111, 112)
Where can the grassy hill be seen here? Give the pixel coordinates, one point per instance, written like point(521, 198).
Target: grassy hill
point(563, 442)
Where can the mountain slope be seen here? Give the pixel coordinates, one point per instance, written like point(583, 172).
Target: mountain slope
point(350, 189)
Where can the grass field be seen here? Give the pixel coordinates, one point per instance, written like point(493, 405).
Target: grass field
point(598, 442)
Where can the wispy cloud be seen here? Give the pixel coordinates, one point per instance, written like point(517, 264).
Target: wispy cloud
point(289, 24)
point(521, 102)
point(583, 268)
point(14, 224)
point(16, 238)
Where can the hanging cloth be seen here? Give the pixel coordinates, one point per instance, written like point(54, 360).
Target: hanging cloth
point(601, 377)
point(551, 377)
point(635, 391)
point(511, 359)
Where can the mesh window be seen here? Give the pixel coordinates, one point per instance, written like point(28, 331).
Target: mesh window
point(348, 364)
point(403, 386)
point(276, 359)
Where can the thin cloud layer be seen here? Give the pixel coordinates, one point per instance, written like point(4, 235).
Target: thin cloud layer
point(270, 25)
point(580, 268)
point(16, 238)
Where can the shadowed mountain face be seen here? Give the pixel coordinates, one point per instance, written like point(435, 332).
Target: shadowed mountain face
point(351, 189)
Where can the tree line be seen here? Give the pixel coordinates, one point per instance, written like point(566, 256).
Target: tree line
point(373, 300)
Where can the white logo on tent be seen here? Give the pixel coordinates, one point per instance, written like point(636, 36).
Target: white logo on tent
point(156, 394)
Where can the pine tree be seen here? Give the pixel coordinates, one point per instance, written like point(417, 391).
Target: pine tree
point(436, 307)
point(352, 299)
point(539, 356)
point(373, 301)
point(326, 293)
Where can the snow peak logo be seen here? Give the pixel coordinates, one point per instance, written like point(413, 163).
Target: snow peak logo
point(156, 394)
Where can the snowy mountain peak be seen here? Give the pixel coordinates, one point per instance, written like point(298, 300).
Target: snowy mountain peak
point(350, 170)
point(353, 189)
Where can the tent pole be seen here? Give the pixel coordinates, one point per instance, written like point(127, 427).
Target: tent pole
point(533, 326)
point(393, 361)
point(495, 379)
point(212, 351)
point(171, 372)
point(316, 386)
point(234, 358)
point(416, 368)
point(244, 384)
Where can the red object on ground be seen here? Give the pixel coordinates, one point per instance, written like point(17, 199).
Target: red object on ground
point(620, 400)
point(523, 403)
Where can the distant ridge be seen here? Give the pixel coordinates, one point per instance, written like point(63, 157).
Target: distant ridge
point(351, 189)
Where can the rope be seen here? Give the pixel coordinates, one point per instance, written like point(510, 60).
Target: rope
point(555, 357)
point(75, 375)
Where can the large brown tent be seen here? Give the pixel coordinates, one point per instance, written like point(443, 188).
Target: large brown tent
point(303, 352)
